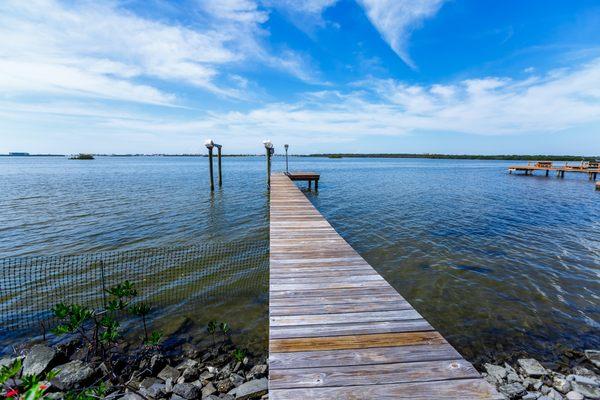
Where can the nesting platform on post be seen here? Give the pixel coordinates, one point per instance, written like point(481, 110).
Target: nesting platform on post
point(305, 176)
point(338, 330)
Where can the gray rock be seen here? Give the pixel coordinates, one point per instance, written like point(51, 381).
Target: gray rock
point(593, 356)
point(252, 389)
point(155, 391)
point(586, 380)
point(236, 379)
point(208, 390)
point(513, 390)
point(496, 372)
point(532, 367)
point(157, 362)
point(531, 396)
point(187, 391)
point(258, 371)
point(589, 391)
point(169, 372)
point(131, 396)
point(7, 361)
point(187, 363)
point(147, 382)
point(224, 385)
point(72, 375)
point(38, 360)
point(190, 374)
point(574, 396)
point(205, 377)
point(177, 397)
point(554, 395)
point(561, 384)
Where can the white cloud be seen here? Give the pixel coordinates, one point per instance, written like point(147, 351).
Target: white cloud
point(396, 19)
point(554, 102)
point(305, 14)
point(103, 50)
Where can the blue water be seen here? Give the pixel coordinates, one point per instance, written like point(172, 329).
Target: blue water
point(500, 264)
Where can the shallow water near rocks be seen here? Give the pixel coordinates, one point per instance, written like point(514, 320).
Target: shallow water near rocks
point(499, 264)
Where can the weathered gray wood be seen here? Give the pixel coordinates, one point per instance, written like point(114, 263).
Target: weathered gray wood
point(338, 330)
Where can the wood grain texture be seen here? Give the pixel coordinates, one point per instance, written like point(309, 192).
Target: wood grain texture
point(338, 330)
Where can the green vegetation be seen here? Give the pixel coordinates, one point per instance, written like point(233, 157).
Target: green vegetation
point(515, 157)
point(82, 156)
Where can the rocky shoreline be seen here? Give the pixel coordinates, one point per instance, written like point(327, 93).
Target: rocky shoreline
point(186, 372)
point(528, 379)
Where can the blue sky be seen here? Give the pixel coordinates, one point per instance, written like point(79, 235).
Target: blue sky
point(156, 76)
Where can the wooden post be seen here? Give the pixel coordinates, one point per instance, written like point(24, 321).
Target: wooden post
point(210, 169)
point(270, 151)
point(547, 172)
point(316, 185)
point(286, 158)
point(309, 184)
point(219, 162)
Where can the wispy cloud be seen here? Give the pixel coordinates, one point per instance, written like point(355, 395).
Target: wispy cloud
point(304, 14)
point(554, 102)
point(396, 19)
point(103, 50)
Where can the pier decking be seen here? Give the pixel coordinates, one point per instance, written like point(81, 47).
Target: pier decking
point(338, 330)
point(591, 168)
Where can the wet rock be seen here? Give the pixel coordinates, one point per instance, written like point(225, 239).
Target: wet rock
point(224, 385)
point(72, 375)
point(496, 372)
point(572, 395)
point(252, 389)
point(579, 370)
point(586, 380)
point(593, 356)
point(208, 390)
point(169, 372)
point(532, 367)
point(39, 359)
point(513, 390)
point(187, 391)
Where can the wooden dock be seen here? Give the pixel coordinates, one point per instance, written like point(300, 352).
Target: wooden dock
point(590, 168)
point(305, 176)
point(338, 330)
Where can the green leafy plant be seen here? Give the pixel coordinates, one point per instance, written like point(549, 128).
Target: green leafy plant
point(141, 310)
point(239, 354)
point(211, 328)
point(154, 339)
point(224, 329)
point(28, 387)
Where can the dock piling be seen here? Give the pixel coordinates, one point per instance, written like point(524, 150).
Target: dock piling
point(270, 150)
point(219, 163)
point(210, 145)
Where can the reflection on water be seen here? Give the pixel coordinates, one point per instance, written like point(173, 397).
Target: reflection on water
point(498, 263)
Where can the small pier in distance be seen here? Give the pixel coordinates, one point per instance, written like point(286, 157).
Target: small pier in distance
point(592, 168)
point(338, 330)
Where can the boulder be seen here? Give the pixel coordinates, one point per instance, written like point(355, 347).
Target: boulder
point(208, 390)
point(187, 391)
point(224, 385)
point(589, 391)
point(532, 367)
point(258, 371)
point(252, 389)
point(169, 372)
point(496, 372)
point(38, 360)
point(512, 390)
point(574, 396)
point(72, 375)
point(561, 384)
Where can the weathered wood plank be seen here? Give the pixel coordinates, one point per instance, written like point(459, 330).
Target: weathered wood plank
point(355, 341)
point(421, 371)
point(463, 389)
point(338, 330)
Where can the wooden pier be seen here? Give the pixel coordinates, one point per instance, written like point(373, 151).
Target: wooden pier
point(338, 330)
point(305, 176)
point(591, 168)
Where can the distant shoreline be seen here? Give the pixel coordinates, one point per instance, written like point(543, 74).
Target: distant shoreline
point(516, 157)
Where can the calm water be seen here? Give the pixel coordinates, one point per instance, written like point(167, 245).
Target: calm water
point(498, 263)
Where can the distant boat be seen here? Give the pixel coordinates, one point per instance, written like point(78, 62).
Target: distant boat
point(18, 154)
point(82, 156)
